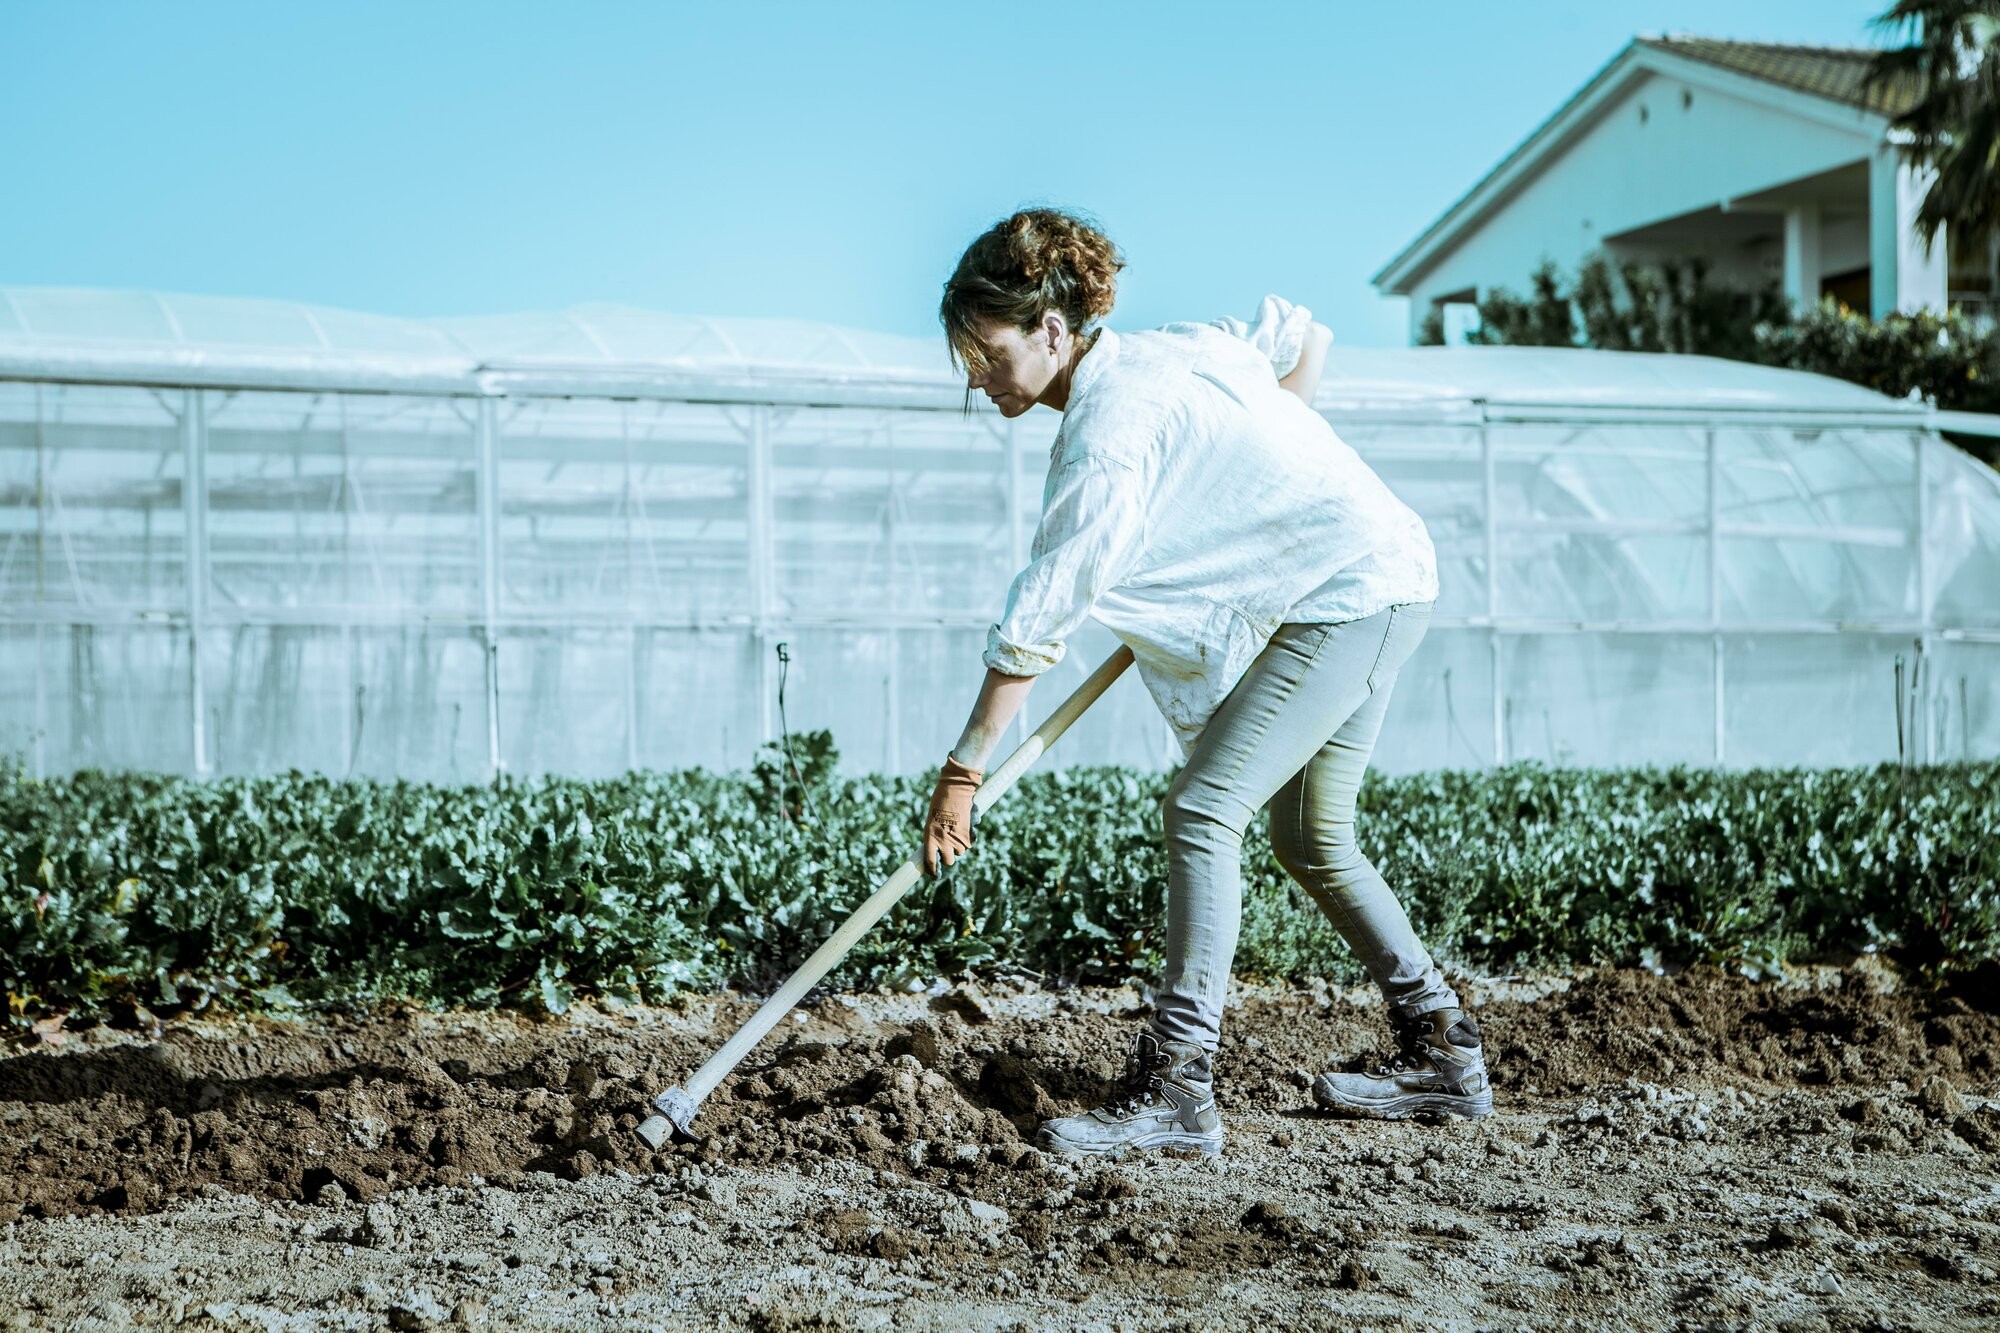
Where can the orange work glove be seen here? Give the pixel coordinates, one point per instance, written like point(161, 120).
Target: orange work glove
point(948, 827)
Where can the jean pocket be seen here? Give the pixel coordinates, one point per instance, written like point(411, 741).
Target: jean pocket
point(1407, 623)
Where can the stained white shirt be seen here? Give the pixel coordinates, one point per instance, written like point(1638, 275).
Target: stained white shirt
point(1193, 506)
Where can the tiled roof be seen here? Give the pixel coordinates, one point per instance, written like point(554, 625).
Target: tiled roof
point(1832, 72)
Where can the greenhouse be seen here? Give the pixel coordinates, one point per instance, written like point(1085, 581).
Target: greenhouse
point(247, 536)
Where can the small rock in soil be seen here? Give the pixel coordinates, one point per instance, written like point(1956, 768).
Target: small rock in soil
point(1939, 1100)
point(378, 1226)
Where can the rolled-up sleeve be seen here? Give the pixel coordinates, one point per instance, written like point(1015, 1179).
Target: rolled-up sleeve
point(1278, 330)
point(1092, 530)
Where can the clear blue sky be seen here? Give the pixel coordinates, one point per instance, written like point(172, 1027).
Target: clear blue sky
point(824, 161)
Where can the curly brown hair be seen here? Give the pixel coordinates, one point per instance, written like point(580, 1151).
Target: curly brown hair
point(1023, 267)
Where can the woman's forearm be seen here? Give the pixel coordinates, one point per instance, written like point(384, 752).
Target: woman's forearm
point(1000, 698)
point(1304, 377)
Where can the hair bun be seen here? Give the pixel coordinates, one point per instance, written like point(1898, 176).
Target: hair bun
point(1062, 252)
point(1021, 268)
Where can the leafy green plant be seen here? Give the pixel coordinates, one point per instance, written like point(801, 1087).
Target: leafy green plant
point(264, 892)
point(788, 776)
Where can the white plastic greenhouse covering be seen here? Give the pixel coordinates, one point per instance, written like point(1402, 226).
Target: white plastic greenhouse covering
point(240, 536)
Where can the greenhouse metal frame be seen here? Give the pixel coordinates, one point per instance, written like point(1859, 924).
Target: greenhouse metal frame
point(242, 536)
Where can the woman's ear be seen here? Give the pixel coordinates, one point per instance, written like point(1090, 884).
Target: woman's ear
point(1054, 326)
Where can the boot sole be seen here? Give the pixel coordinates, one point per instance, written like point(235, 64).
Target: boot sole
point(1209, 1145)
point(1477, 1106)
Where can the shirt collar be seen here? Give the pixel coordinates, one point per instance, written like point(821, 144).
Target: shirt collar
point(1101, 354)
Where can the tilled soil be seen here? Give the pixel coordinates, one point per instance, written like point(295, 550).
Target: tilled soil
point(1697, 1150)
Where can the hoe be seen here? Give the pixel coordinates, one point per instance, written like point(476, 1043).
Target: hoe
point(674, 1110)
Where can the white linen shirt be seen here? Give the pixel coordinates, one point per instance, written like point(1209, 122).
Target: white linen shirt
point(1193, 506)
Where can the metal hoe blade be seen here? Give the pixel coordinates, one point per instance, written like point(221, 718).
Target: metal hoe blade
point(673, 1110)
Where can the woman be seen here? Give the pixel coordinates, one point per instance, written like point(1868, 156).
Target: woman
point(1270, 587)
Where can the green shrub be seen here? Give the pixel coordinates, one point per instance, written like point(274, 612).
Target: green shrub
point(1950, 358)
point(1672, 306)
point(1665, 306)
point(263, 892)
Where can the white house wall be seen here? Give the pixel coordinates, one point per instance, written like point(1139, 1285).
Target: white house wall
point(1694, 147)
point(1739, 265)
point(1921, 266)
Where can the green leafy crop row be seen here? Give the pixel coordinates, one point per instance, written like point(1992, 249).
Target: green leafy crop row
point(122, 889)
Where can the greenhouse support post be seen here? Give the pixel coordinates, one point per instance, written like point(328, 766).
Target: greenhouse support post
point(763, 556)
point(489, 569)
point(892, 712)
point(41, 559)
point(194, 508)
point(632, 699)
point(1716, 667)
point(349, 731)
point(42, 483)
point(892, 675)
point(1923, 537)
point(41, 702)
point(629, 499)
point(1492, 506)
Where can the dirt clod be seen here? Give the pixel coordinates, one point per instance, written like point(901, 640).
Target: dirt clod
point(1939, 1100)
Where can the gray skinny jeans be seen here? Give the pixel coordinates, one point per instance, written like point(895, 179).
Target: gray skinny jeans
point(1295, 731)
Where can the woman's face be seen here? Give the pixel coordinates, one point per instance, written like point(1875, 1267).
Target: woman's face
point(1020, 366)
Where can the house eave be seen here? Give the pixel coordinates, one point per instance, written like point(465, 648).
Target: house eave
point(1575, 118)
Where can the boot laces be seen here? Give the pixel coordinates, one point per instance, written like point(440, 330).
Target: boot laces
point(1412, 1051)
point(1143, 1080)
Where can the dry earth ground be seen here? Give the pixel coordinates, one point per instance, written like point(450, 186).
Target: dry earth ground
point(1695, 1151)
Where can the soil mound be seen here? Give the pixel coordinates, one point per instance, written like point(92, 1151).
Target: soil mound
point(353, 1111)
point(1854, 1029)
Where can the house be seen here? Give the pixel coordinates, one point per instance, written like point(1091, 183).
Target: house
point(1769, 160)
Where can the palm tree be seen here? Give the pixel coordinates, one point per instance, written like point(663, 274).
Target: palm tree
point(1951, 68)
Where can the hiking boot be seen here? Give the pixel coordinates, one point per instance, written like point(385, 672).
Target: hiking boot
point(1165, 1100)
point(1439, 1069)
